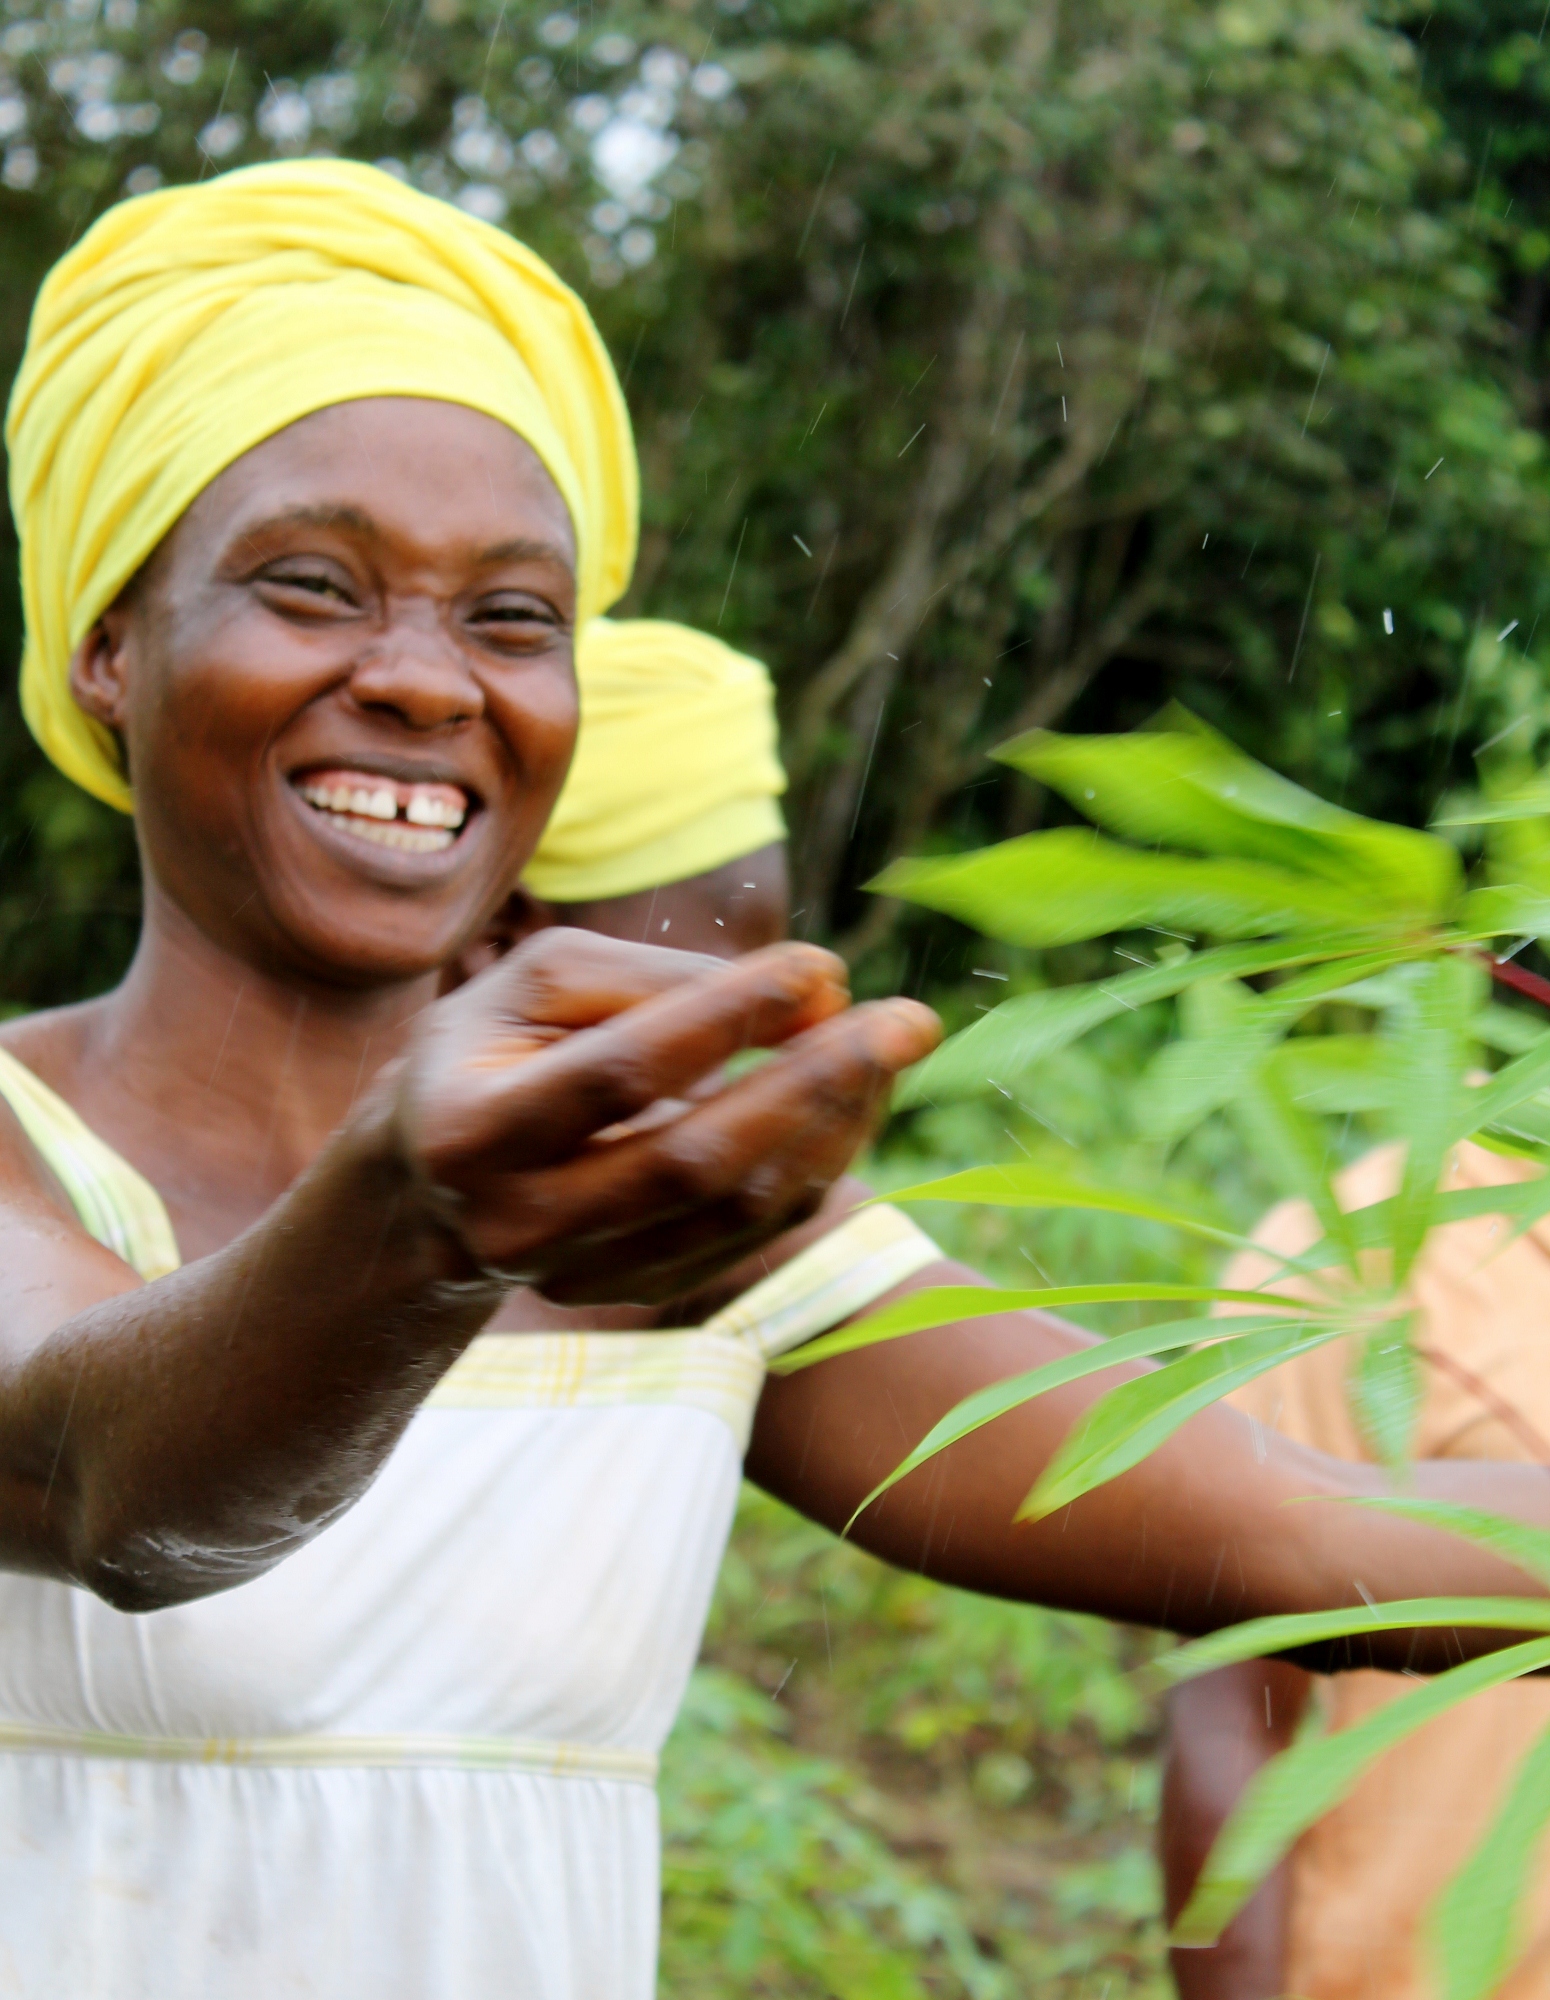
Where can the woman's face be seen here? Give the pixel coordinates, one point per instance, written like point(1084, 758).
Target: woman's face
point(344, 684)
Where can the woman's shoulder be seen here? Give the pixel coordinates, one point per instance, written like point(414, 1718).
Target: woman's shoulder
point(51, 1041)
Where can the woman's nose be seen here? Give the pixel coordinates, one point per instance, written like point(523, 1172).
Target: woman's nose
point(417, 671)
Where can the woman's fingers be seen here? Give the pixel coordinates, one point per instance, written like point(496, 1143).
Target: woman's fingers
point(634, 1218)
point(519, 1094)
point(572, 979)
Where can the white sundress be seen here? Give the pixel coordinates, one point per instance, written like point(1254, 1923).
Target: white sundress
point(416, 1760)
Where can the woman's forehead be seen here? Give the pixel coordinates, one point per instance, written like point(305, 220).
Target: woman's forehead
point(406, 469)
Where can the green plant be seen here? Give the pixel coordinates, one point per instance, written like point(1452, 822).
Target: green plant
point(1370, 953)
point(872, 1767)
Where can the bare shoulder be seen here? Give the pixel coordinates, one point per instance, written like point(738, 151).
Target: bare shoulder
point(50, 1266)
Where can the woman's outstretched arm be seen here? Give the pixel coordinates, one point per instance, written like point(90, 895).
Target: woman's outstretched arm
point(161, 1441)
point(1197, 1536)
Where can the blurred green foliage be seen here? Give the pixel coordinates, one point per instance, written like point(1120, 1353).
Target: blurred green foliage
point(882, 1788)
point(993, 363)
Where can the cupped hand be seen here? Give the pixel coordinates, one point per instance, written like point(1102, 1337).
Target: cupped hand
point(544, 1108)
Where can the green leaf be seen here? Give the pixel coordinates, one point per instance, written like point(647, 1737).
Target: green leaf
point(1020, 1185)
point(1529, 801)
point(1191, 788)
point(1016, 1185)
point(997, 1398)
point(1386, 1389)
point(1285, 1798)
point(1226, 1032)
point(1333, 1074)
point(1034, 1026)
point(1477, 1924)
point(1264, 1638)
point(1133, 1420)
point(1521, 1203)
point(1494, 1102)
point(1061, 887)
point(1429, 1037)
point(944, 1305)
point(1298, 1148)
point(1508, 1030)
point(1505, 909)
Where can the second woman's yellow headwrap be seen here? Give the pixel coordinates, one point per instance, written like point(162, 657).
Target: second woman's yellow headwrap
point(187, 326)
point(677, 767)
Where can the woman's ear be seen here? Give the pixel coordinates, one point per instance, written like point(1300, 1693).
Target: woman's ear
point(99, 676)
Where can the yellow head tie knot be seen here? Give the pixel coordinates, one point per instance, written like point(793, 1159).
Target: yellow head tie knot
point(676, 769)
point(188, 326)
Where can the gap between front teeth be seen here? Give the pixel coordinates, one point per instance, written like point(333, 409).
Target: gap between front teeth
point(382, 805)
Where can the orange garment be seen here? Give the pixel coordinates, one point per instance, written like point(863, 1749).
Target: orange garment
point(1363, 1877)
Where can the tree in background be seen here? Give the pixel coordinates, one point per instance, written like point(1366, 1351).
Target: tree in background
point(994, 364)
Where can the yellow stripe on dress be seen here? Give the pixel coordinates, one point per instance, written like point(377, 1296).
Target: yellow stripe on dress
point(379, 1753)
point(872, 1250)
point(116, 1204)
point(718, 1367)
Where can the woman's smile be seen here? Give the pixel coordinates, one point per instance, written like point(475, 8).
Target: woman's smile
point(412, 816)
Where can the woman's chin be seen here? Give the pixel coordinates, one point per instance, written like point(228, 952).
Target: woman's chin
point(356, 935)
point(365, 955)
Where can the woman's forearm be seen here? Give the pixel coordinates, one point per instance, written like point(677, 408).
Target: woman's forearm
point(1225, 1521)
point(184, 1436)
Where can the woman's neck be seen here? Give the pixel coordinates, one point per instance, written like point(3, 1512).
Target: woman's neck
point(218, 1080)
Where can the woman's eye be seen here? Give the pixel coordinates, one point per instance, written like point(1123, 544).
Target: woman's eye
point(513, 618)
point(315, 583)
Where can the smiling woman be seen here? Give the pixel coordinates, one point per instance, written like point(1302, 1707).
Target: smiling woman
point(375, 1370)
point(371, 616)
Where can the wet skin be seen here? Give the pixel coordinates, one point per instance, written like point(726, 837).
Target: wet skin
point(379, 600)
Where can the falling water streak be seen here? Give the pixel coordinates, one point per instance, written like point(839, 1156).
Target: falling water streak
point(813, 211)
point(732, 572)
point(822, 574)
point(230, 1022)
point(1501, 736)
point(866, 773)
point(1307, 606)
point(1318, 381)
point(1006, 385)
point(813, 425)
point(59, 1449)
point(500, 22)
point(845, 315)
point(219, 108)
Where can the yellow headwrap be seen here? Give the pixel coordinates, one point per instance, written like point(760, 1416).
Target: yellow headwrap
point(676, 766)
point(187, 326)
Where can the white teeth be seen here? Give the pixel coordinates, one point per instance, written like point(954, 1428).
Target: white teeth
point(380, 804)
point(425, 811)
point(429, 826)
point(408, 839)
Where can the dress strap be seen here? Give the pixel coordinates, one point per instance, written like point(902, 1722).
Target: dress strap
point(116, 1204)
point(872, 1250)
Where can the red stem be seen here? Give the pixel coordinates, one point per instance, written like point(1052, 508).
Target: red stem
point(1519, 978)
